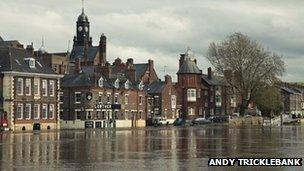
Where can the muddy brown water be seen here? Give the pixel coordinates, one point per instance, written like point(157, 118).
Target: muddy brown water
point(165, 148)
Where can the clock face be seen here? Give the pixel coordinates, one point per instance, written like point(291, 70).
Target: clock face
point(79, 28)
point(86, 29)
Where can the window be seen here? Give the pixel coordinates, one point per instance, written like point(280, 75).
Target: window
point(51, 111)
point(27, 111)
point(31, 62)
point(100, 97)
point(173, 101)
point(126, 99)
point(103, 115)
point(116, 98)
point(191, 94)
point(127, 86)
point(19, 86)
point(44, 87)
point(141, 86)
point(199, 93)
point(140, 115)
point(28, 86)
point(44, 111)
point(100, 82)
point(52, 88)
point(77, 97)
point(206, 93)
point(20, 111)
point(36, 111)
point(61, 97)
point(77, 114)
point(36, 86)
point(140, 100)
point(116, 83)
point(191, 111)
point(89, 114)
point(108, 98)
point(116, 114)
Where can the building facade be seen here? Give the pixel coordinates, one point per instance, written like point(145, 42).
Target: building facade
point(29, 90)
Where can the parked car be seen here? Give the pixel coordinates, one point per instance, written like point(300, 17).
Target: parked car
point(158, 121)
point(198, 121)
point(179, 122)
point(219, 119)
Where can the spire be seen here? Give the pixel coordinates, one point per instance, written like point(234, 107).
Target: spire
point(42, 42)
point(42, 49)
point(82, 6)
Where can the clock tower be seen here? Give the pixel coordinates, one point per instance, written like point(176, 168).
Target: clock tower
point(82, 30)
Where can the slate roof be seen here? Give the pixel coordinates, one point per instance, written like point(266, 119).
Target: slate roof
point(140, 69)
point(288, 90)
point(77, 52)
point(189, 67)
point(1, 39)
point(13, 59)
point(155, 87)
point(213, 81)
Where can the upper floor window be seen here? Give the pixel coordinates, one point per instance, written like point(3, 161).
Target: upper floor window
point(100, 94)
point(173, 101)
point(28, 86)
point(19, 111)
point(27, 111)
point(36, 86)
point(127, 84)
point(108, 98)
point(52, 88)
point(61, 97)
point(126, 99)
point(77, 97)
point(191, 95)
point(116, 83)
point(51, 111)
point(199, 93)
point(19, 86)
point(36, 111)
point(44, 111)
point(116, 98)
point(44, 87)
point(141, 86)
point(100, 82)
point(31, 62)
point(140, 100)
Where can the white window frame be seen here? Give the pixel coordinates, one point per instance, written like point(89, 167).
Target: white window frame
point(100, 82)
point(21, 112)
point(38, 111)
point(37, 82)
point(46, 111)
point(126, 99)
point(116, 97)
point(20, 80)
point(127, 84)
point(116, 83)
point(191, 111)
point(76, 93)
point(140, 99)
point(77, 110)
point(28, 84)
point(173, 101)
point(52, 87)
point(45, 87)
point(53, 112)
point(29, 111)
point(191, 95)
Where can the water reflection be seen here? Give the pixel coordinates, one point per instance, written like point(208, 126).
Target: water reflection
point(145, 149)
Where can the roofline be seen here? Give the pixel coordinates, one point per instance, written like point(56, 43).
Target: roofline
point(32, 74)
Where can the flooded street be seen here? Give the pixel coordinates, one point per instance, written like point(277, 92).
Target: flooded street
point(166, 148)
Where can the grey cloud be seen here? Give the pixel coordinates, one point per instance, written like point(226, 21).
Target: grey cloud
point(161, 30)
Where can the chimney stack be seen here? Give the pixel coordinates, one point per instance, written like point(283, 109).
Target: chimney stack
point(209, 73)
point(77, 66)
point(168, 79)
point(102, 50)
point(30, 48)
point(151, 65)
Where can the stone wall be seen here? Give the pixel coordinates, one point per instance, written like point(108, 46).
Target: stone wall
point(246, 121)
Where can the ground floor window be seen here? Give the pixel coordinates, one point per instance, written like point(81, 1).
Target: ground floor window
point(191, 111)
point(51, 111)
point(78, 114)
point(36, 111)
point(89, 114)
point(44, 111)
point(27, 111)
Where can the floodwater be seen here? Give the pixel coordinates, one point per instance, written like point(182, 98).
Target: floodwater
point(165, 148)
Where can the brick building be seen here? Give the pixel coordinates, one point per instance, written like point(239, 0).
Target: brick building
point(293, 98)
point(29, 89)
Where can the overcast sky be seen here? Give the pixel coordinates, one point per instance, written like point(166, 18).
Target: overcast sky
point(161, 29)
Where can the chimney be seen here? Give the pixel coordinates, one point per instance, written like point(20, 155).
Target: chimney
point(130, 62)
point(130, 72)
point(102, 50)
point(209, 73)
point(106, 70)
point(151, 65)
point(77, 66)
point(168, 79)
point(30, 48)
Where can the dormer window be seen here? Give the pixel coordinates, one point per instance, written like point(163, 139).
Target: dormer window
point(116, 83)
point(127, 84)
point(30, 62)
point(100, 82)
point(141, 86)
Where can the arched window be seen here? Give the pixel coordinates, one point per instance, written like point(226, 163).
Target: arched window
point(116, 83)
point(127, 84)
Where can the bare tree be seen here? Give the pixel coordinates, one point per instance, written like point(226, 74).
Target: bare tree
point(245, 65)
